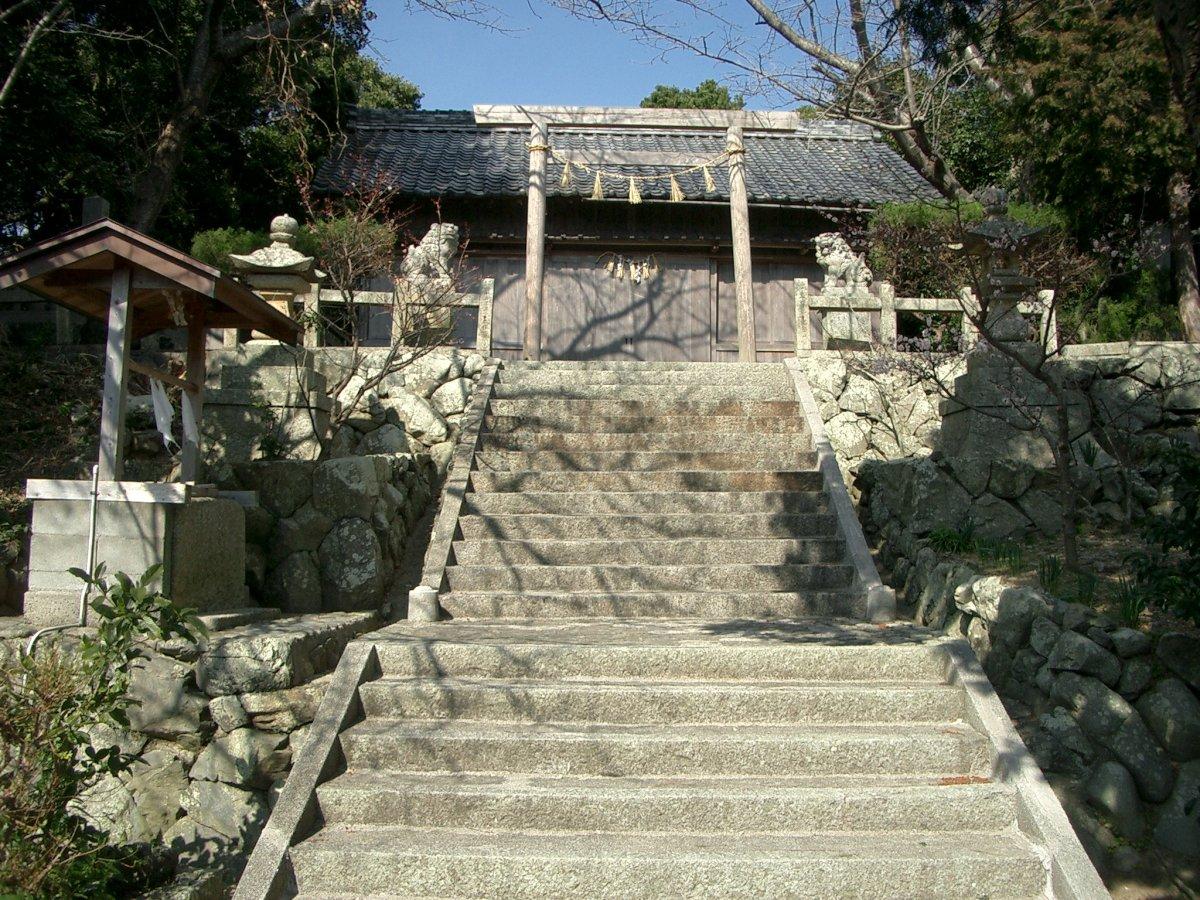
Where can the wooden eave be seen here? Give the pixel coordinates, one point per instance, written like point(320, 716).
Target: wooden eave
point(75, 270)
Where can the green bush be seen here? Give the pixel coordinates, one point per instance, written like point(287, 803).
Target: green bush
point(49, 705)
point(1141, 308)
point(1168, 571)
point(215, 245)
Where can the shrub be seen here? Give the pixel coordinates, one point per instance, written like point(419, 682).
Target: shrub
point(49, 705)
point(1169, 568)
point(215, 245)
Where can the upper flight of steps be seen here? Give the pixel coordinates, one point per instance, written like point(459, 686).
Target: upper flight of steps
point(647, 489)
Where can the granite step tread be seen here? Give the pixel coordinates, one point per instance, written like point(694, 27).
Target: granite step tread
point(725, 576)
point(452, 862)
point(590, 526)
point(708, 441)
point(802, 480)
point(661, 648)
point(661, 552)
point(780, 605)
point(643, 460)
point(533, 421)
point(634, 701)
point(669, 392)
point(585, 748)
point(579, 503)
point(699, 804)
point(549, 407)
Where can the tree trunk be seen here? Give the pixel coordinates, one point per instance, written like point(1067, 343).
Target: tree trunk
point(915, 148)
point(1179, 26)
point(1183, 254)
point(153, 185)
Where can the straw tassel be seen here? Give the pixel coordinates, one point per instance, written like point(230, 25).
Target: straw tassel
point(634, 196)
point(676, 191)
point(597, 188)
point(709, 184)
point(565, 181)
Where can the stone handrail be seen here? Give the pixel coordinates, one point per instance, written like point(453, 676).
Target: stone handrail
point(423, 599)
point(879, 599)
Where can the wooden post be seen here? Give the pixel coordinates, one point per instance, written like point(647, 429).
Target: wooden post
point(535, 240)
point(189, 464)
point(739, 213)
point(116, 377)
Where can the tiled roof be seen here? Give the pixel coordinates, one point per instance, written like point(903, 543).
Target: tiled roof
point(444, 153)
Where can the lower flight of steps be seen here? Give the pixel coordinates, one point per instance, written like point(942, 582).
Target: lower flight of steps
point(608, 758)
point(643, 489)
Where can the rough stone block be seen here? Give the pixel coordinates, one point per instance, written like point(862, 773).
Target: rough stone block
point(277, 655)
point(1172, 713)
point(346, 487)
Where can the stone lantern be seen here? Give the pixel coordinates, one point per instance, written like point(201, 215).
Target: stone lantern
point(1000, 242)
point(282, 275)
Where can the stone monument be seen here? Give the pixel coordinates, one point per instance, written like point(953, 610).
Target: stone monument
point(283, 276)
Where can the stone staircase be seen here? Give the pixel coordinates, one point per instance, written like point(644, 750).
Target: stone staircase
point(654, 685)
point(642, 489)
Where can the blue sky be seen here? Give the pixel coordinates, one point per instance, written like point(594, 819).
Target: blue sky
point(545, 57)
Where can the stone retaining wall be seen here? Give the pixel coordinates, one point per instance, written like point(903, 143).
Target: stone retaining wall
point(1131, 397)
point(1111, 714)
point(215, 730)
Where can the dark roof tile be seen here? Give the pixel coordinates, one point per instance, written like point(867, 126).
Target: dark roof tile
point(443, 153)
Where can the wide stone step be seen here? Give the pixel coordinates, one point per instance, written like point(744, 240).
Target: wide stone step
point(722, 650)
point(654, 604)
point(610, 750)
point(649, 805)
point(772, 552)
point(585, 503)
point(724, 577)
point(647, 527)
point(773, 376)
point(508, 864)
point(579, 389)
point(694, 441)
point(661, 702)
point(649, 407)
point(412, 861)
point(642, 461)
point(591, 366)
point(802, 480)
point(537, 421)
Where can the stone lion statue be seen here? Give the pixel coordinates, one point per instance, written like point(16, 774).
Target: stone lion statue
point(428, 262)
point(841, 264)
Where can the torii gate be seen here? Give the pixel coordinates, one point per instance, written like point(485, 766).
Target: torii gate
point(542, 118)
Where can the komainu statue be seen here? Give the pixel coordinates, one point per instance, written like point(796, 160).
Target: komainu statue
point(427, 266)
point(841, 264)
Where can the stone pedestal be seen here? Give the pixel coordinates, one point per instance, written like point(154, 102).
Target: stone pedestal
point(201, 545)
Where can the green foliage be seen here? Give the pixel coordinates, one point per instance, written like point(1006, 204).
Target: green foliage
point(1050, 572)
point(951, 540)
point(1168, 571)
point(215, 245)
point(1084, 590)
point(1141, 307)
point(706, 95)
point(51, 704)
point(965, 133)
point(88, 108)
point(912, 245)
point(1131, 602)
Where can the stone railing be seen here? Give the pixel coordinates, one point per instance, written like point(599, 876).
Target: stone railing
point(868, 317)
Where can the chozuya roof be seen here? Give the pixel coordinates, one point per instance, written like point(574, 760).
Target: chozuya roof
point(789, 160)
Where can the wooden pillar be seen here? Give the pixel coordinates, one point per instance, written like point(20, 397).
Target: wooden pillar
point(739, 213)
point(189, 464)
point(535, 240)
point(116, 377)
